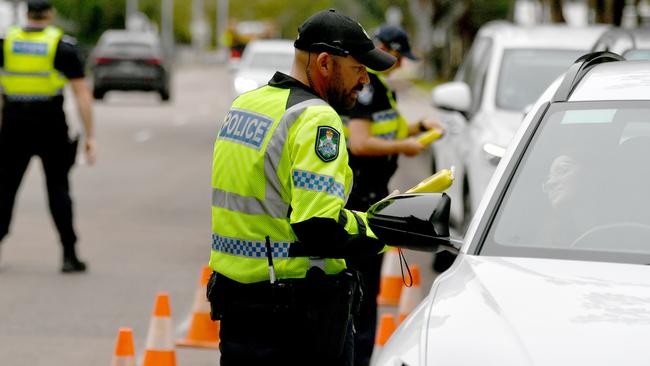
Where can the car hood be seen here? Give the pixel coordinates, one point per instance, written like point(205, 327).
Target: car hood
point(515, 311)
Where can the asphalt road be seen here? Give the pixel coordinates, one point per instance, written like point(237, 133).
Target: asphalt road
point(143, 218)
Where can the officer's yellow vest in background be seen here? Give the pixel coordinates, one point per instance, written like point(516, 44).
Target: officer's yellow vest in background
point(262, 182)
point(29, 63)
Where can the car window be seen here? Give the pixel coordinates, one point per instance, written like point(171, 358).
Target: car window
point(474, 69)
point(470, 66)
point(525, 73)
point(581, 188)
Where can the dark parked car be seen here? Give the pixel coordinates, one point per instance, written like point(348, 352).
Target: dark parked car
point(127, 60)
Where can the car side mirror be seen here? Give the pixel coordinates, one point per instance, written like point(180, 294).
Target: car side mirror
point(454, 96)
point(418, 221)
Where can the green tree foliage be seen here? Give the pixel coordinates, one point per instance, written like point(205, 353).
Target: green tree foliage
point(91, 18)
point(286, 14)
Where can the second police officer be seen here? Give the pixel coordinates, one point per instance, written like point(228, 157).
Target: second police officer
point(377, 134)
point(280, 179)
point(38, 60)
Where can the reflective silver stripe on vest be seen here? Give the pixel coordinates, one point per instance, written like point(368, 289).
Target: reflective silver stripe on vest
point(17, 73)
point(249, 248)
point(31, 97)
point(249, 205)
point(317, 262)
point(274, 188)
point(273, 204)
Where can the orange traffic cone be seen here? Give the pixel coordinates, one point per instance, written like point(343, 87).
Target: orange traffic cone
point(411, 296)
point(203, 332)
point(160, 347)
point(390, 286)
point(124, 350)
point(386, 328)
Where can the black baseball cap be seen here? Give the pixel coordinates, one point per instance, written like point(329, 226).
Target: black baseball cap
point(332, 32)
point(38, 5)
point(396, 39)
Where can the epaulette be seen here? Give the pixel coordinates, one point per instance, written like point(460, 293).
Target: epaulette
point(69, 40)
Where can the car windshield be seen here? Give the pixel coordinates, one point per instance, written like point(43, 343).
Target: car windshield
point(581, 190)
point(274, 61)
point(525, 74)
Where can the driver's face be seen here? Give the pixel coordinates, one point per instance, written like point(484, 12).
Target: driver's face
point(561, 185)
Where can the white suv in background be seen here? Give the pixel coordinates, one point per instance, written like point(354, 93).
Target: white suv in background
point(505, 71)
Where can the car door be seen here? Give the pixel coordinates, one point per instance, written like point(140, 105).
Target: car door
point(453, 149)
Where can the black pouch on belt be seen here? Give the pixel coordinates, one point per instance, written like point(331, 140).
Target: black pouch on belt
point(328, 302)
point(215, 297)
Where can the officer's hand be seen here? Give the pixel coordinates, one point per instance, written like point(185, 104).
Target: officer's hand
point(430, 123)
point(91, 151)
point(410, 146)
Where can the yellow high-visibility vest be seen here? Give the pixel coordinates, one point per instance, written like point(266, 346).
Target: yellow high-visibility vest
point(274, 166)
point(29, 71)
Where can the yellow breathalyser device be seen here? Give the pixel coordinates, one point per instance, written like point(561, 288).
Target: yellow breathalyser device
point(429, 136)
point(436, 183)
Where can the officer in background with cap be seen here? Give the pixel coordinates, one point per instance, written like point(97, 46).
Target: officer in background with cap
point(37, 61)
point(280, 180)
point(377, 134)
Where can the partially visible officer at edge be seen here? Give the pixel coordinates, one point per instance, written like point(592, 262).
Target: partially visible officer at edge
point(37, 62)
point(377, 133)
point(280, 180)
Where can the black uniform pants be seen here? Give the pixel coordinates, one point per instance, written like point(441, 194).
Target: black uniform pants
point(300, 324)
point(28, 131)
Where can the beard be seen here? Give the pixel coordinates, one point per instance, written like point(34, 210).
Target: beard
point(337, 96)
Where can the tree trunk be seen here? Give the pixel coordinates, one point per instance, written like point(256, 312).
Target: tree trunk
point(555, 7)
point(422, 12)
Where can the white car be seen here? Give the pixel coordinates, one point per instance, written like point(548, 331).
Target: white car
point(505, 71)
point(633, 44)
point(260, 60)
point(554, 268)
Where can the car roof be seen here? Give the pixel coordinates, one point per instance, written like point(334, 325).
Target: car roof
point(638, 37)
point(509, 35)
point(620, 80)
point(271, 45)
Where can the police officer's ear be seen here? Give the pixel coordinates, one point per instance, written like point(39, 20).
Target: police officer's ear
point(325, 64)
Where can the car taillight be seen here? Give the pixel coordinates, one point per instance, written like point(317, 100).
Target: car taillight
point(103, 60)
point(153, 61)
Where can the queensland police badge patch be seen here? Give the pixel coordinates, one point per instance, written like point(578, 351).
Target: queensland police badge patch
point(327, 143)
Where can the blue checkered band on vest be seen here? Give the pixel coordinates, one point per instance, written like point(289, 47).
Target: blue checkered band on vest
point(318, 183)
point(248, 248)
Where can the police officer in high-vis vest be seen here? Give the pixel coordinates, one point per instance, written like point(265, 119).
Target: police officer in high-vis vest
point(37, 61)
point(377, 134)
point(280, 179)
